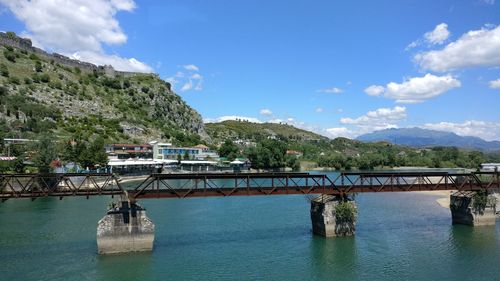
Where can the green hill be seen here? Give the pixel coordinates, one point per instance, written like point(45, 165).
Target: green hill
point(244, 130)
point(342, 153)
point(43, 92)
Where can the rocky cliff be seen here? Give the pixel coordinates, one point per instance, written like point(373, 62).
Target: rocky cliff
point(50, 92)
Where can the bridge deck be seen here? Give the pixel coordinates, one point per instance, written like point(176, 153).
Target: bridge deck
point(239, 184)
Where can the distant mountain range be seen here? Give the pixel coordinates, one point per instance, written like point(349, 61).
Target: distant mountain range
point(417, 137)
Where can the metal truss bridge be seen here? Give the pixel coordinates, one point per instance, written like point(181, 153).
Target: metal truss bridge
point(238, 184)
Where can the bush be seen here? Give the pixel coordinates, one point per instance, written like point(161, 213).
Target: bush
point(11, 34)
point(9, 55)
point(36, 78)
point(4, 70)
point(27, 81)
point(45, 78)
point(126, 83)
point(56, 84)
point(34, 57)
point(345, 218)
point(38, 66)
point(345, 212)
point(112, 83)
point(14, 80)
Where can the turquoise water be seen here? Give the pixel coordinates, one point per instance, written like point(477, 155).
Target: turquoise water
point(400, 236)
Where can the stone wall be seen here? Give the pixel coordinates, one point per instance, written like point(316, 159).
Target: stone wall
point(26, 45)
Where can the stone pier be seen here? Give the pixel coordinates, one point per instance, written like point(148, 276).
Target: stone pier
point(125, 228)
point(465, 211)
point(326, 222)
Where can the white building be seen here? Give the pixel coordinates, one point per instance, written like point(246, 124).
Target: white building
point(490, 166)
point(164, 150)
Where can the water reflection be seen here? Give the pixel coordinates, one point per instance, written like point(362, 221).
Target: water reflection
point(133, 266)
point(466, 238)
point(333, 258)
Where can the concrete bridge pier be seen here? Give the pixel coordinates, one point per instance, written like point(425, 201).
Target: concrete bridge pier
point(125, 228)
point(325, 219)
point(465, 211)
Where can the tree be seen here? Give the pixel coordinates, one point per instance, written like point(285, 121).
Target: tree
point(45, 151)
point(269, 154)
point(229, 149)
point(92, 155)
point(292, 162)
point(100, 156)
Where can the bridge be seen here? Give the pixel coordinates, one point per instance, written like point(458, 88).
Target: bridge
point(126, 227)
point(15, 186)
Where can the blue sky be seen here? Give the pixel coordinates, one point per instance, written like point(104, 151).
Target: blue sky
point(338, 68)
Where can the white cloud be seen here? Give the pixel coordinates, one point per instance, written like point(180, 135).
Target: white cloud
point(117, 62)
point(340, 132)
point(438, 35)
point(319, 110)
point(419, 89)
point(379, 119)
point(474, 48)
point(266, 112)
point(78, 26)
point(412, 45)
point(191, 67)
point(187, 86)
point(172, 80)
point(495, 84)
point(382, 117)
point(374, 90)
point(485, 130)
point(333, 90)
point(435, 37)
point(231, 117)
point(190, 79)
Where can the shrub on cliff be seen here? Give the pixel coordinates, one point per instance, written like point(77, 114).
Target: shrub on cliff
point(9, 55)
point(345, 218)
point(4, 70)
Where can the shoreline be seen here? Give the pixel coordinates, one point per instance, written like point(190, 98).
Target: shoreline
point(125, 179)
point(444, 196)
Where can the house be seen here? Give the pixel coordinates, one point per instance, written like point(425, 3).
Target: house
point(295, 153)
point(168, 151)
point(129, 151)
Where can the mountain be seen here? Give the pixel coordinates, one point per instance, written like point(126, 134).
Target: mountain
point(417, 137)
point(232, 129)
point(42, 92)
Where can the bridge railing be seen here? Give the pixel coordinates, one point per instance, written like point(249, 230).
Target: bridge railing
point(184, 185)
point(230, 184)
point(55, 184)
point(414, 181)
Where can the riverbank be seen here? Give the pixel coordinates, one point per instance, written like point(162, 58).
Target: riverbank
point(125, 179)
point(444, 200)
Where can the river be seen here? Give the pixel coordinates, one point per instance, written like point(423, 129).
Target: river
point(399, 236)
